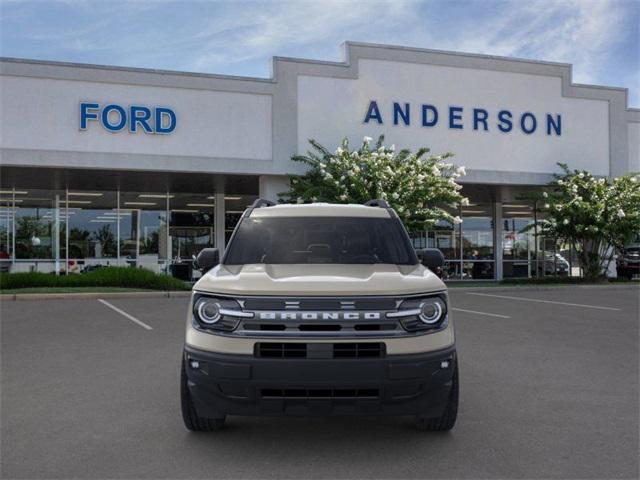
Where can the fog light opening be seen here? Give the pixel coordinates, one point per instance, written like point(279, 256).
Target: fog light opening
point(444, 364)
point(194, 364)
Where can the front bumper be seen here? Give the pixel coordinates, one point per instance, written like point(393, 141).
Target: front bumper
point(415, 384)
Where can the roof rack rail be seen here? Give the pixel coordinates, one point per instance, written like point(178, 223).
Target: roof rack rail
point(377, 203)
point(261, 202)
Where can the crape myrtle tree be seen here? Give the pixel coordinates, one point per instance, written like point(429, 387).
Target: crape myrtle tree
point(594, 215)
point(416, 184)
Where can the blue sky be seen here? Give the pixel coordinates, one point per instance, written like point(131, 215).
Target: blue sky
point(601, 38)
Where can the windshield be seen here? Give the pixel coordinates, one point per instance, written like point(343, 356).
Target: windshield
point(288, 240)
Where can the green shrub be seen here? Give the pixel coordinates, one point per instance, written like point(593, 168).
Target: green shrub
point(126, 277)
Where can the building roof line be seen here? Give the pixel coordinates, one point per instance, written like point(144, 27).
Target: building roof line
point(345, 63)
point(134, 69)
point(459, 54)
point(605, 87)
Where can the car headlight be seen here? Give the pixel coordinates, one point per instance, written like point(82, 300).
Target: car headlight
point(431, 310)
point(426, 313)
point(208, 310)
point(217, 313)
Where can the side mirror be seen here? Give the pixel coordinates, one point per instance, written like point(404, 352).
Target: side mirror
point(207, 259)
point(433, 259)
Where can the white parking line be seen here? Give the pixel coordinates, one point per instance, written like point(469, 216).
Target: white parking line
point(125, 314)
point(480, 313)
point(598, 307)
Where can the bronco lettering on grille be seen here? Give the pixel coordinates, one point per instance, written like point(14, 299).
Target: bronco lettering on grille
point(319, 315)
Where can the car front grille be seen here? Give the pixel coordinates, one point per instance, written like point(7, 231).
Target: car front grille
point(312, 393)
point(302, 318)
point(358, 350)
point(299, 328)
point(321, 304)
point(320, 350)
point(281, 350)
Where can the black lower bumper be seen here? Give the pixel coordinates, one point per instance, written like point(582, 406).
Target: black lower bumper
point(417, 384)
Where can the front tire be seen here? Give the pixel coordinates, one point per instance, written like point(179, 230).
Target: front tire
point(191, 419)
point(447, 420)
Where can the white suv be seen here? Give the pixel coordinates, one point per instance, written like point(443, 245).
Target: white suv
point(319, 309)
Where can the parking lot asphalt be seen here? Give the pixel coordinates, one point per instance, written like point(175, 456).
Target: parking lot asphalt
point(549, 389)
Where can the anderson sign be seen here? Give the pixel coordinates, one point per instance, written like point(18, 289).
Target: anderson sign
point(460, 118)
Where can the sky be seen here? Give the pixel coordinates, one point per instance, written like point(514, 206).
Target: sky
point(601, 38)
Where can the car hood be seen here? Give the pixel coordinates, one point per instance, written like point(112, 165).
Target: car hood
point(318, 280)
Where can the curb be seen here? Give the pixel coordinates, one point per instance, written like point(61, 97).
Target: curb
point(92, 295)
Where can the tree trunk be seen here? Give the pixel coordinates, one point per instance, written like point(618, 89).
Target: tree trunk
point(590, 258)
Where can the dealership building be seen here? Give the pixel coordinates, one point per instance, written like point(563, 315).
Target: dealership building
point(104, 165)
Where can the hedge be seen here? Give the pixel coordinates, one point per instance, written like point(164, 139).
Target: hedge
point(125, 277)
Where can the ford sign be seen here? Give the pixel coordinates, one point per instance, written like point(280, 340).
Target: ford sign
point(134, 118)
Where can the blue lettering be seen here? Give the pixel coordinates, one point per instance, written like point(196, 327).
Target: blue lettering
point(557, 125)
point(373, 112)
point(480, 115)
point(455, 113)
point(139, 115)
point(504, 117)
point(399, 112)
point(430, 116)
point(425, 116)
point(162, 112)
point(115, 118)
point(85, 114)
point(105, 118)
point(523, 123)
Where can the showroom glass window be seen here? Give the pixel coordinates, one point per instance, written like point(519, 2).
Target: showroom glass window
point(6, 229)
point(477, 241)
point(191, 228)
point(192, 224)
point(144, 229)
point(235, 205)
point(39, 230)
point(446, 237)
point(468, 247)
point(92, 231)
point(81, 230)
point(518, 240)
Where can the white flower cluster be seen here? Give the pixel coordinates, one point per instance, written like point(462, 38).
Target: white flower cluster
point(413, 183)
point(593, 214)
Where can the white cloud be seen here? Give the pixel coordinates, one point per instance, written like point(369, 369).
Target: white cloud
point(270, 28)
point(239, 37)
point(581, 32)
point(573, 31)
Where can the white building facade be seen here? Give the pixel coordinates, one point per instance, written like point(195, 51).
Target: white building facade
point(118, 166)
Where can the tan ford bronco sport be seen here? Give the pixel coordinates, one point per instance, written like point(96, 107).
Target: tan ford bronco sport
point(319, 309)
